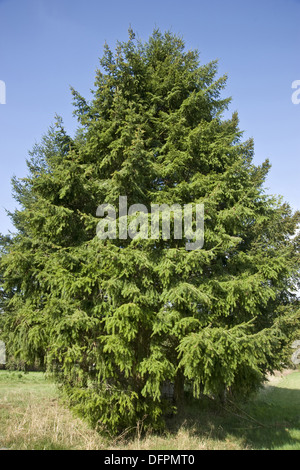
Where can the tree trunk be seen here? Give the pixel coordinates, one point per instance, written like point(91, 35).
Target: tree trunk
point(179, 388)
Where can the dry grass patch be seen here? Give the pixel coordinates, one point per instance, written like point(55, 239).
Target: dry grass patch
point(33, 418)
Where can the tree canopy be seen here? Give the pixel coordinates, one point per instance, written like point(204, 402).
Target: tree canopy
point(117, 319)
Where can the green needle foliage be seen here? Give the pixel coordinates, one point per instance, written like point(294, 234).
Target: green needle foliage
point(115, 319)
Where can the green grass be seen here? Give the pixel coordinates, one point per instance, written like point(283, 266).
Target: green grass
point(278, 409)
point(32, 417)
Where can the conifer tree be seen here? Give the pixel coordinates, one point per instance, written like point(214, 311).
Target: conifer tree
point(116, 319)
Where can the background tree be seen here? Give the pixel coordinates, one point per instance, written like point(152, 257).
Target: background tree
point(116, 319)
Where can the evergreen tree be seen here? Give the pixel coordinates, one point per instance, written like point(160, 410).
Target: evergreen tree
point(116, 319)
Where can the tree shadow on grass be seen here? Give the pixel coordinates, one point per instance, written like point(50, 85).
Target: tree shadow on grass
point(269, 421)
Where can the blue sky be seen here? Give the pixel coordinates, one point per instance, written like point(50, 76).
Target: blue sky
point(46, 46)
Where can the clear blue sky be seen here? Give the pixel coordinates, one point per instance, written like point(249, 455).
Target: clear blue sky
point(46, 46)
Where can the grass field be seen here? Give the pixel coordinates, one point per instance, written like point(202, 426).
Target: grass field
point(32, 417)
